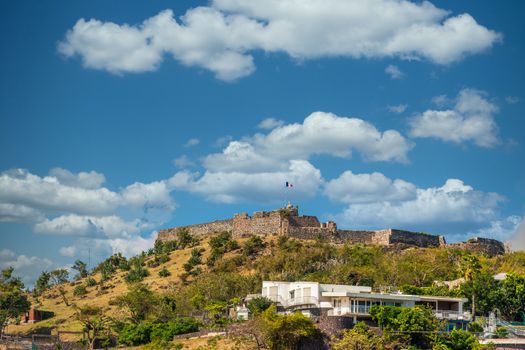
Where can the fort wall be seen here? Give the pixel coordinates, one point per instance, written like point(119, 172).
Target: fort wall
point(287, 222)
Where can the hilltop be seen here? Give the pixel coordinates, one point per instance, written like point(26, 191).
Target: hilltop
point(220, 270)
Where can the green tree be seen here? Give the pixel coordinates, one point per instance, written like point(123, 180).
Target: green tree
point(258, 305)
point(285, 331)
point(140, 301)
point(13, 301)
point(94, 323)
point(58, 276)
point(471, 269)
point(81, 267)
point(42, 283)
point(512, 296)
point(482, 289)
point(359, 338)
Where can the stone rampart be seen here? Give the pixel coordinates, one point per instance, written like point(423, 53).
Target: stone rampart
point(287, 222)
point(413, 238)
point(261, 223)
point(487, 246)
point(198, 229)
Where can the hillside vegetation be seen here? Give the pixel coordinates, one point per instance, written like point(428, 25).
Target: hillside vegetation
point(194, 277)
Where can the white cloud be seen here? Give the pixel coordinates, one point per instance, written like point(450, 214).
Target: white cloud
point(88, 180)
point(19, 213)
point(27, 267)
point(222, 36)
point(192, 142)
point(442, 100)
point(183, 162)
point(398, 109)
point(270, 123)
point(368, 188)
point(471, 119)
point(394, 72)
point(75, 204)
point(69, 251)
point(518, 239)
point(256, 167)
point(259, 187)
point(454, 205)
point(511, 100)
point(320, 133)
point(501, 229)
point(109, 226)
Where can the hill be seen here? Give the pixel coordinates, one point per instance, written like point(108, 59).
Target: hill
point(219, 271)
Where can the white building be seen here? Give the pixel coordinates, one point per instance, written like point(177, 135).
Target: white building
point(312, 298)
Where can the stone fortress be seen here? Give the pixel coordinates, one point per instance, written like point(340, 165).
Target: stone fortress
point(288, 222)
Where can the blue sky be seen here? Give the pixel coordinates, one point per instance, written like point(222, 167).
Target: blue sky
point(119, 119)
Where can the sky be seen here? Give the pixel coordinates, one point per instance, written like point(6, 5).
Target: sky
point(121, 118)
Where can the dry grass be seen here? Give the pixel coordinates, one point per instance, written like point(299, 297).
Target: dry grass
point(64, 316)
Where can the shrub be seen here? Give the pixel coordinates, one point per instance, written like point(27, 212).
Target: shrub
point(164, 272)
point(253, 245)
point(145, 332)
point(474, 327)
point(135, 334)
point(136, 274)
point(258, 305)
point(90, 282)
point(80, 290)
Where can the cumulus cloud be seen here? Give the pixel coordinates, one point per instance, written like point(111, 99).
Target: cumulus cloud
point(368, 188)
point(320, 134)
point(183, 162)
point(471, 119)
point(27, 267)
point(88, 180)
point(255, 167)
point(258, 187)
point(501, 229)
point(398, 109)
point(192, 142)
point(517, 241)
point(75, 204)
point(221, 37)
point(454, 205)
point(270, 123)
point(394, 72)
point(69, 251)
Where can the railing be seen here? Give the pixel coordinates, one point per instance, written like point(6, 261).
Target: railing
point(301, 301)
point(512, 329)
point(293, 302)
point(452, 315)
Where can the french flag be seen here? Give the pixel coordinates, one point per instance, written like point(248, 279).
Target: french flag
point(288, 184)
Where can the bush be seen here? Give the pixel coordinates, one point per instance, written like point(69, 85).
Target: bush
point(145, 332)
point(474, 327)
point(79, 290)
point(135, 334)
point(258, 305)
point(164, 272)
point(90, 282)
point(253, 245)
point(136, 274)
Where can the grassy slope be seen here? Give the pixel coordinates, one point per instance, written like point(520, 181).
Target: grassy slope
point(64, 318)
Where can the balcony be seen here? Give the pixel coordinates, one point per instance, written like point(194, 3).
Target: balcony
point(294, 303)
point(452, 315)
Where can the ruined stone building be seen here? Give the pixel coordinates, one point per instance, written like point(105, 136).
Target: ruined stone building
point(288, 222)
